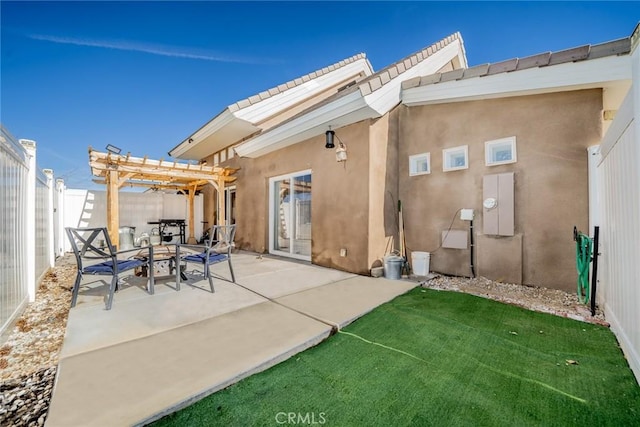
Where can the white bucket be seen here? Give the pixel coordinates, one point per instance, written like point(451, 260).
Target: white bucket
point(420, 263)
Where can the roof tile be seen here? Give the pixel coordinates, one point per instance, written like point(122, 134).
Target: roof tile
point(282, 87)
point(274, 91)
point(477, 71)
point(244, 103)
point(233, 107)
point(306, 78)
point(375, 83)
point(401, 68)
point(569, 55)
point(414, 82)
point(393, 72)
point(430, 79)
point(384, 77)
point(254, 99)
point(414, 60)
point(540, 60)
point(291, 84)
point(407, 63)
point(616, 47)
point(420, 56)
point(365, 89)
point(264, 95)
point(452, 75)
point(503, 67)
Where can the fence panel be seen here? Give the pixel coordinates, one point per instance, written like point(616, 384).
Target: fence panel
point(14, 292)
point(43, 236)
point(619, 186)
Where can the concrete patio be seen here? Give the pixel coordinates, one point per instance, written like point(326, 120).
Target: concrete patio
point(152, 354)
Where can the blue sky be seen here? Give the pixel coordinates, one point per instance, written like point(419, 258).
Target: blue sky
point(145, 75)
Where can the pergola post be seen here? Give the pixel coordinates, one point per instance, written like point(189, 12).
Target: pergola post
point(113, 203)
point(221, 207)
point(192, 194)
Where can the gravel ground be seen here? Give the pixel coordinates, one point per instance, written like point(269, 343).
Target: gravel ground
point(29, 354)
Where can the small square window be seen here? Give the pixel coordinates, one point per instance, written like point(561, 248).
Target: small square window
point(420, 164)
point(500, 151)
point(455, 158)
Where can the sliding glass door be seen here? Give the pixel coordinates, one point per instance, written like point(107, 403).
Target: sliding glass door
point(290, 215)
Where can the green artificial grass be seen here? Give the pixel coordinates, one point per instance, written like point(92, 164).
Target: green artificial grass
point(439, 358)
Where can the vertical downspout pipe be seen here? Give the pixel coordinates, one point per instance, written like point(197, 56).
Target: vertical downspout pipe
point(594, 269)
point(473, 269)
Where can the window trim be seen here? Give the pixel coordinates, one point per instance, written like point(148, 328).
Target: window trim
point(511, 140)
point(414, 159)
point(454, 150)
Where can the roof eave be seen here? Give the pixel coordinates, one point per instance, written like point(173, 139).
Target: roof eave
point(562, 77)
point(371, 100)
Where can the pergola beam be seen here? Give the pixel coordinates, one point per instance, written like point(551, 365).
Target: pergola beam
point(117, 171)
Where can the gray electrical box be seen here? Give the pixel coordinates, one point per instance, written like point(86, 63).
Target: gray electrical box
point(498, 204)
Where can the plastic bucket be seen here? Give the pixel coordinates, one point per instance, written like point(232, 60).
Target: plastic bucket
point(420, 263)
point(393, 267)
point(126, 237)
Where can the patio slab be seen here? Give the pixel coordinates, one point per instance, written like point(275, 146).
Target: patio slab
point(153, 354)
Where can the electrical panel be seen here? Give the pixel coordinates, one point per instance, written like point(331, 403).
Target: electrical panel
point(498, 204)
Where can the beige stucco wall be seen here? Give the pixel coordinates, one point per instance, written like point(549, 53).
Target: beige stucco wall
point(383, 187)
point(340, 195)
point(553, 132)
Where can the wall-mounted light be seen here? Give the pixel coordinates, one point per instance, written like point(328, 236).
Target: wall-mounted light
point(341, 151)
point(113, 149)
point(329, 138)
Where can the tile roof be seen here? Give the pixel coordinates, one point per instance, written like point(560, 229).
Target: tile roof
point(382, 77)
point(582, 53)
point(292, 83)
point(377, 80)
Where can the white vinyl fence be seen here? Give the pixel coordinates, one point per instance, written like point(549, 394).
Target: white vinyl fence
point(88, 208)
point(619, 194)
point(26, 212)
point(34, 210)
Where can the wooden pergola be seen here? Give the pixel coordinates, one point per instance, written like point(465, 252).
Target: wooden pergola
point(116, 171)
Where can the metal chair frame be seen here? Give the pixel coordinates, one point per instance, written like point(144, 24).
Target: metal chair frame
point(213, 252)
point(87, 248)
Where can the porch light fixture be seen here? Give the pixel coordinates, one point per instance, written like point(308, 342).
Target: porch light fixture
point(341, 151)
point(113, 149)
point(329, 138)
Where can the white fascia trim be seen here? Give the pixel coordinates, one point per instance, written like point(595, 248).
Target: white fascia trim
point(275, 139)
point(562, 77)
point(214, 125)
point(389, 95)
point(266, 108)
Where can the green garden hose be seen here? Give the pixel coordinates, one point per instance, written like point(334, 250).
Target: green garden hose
point(584, 252)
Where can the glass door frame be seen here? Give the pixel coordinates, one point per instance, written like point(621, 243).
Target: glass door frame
point(273, 216)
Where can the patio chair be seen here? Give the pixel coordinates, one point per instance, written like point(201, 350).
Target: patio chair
point(217, 249)
point(94, 245)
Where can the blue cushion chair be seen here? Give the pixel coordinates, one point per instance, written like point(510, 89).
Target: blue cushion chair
point(92, 245)
point(217, 249)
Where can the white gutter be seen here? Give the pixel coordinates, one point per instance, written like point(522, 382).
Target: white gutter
point(569, 76)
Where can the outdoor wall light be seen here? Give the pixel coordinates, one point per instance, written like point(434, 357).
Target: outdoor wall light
point(341, 151)
point(113, 149)
point(329, 138)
